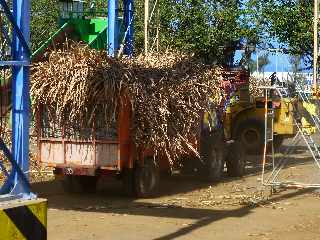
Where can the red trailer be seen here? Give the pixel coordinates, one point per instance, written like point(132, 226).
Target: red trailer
point(80, 156)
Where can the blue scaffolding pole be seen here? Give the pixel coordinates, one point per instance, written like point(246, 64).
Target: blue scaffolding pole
point(112, 27)
point(17, 183)
point(128, 23)
point(21, 93)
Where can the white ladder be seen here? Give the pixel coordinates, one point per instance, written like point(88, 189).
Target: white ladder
point(313, 147)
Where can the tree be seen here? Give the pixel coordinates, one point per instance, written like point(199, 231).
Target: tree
point(211, 29)
point(295, 62)
point(44, 20)
point(263, 61)
point(291, 22)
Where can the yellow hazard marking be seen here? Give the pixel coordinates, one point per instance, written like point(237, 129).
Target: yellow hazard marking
point(8, 229)
point(40, 211)
point(310, 107)
point(24, 220)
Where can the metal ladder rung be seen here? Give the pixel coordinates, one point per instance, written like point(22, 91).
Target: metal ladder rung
point(305, 133)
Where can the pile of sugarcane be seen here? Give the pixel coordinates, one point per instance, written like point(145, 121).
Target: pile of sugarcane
point(255, 84)
point(167, 92)
point(37, 172)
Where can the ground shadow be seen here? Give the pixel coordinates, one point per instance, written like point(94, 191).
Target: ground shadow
point(104, 202)
point(182, 183)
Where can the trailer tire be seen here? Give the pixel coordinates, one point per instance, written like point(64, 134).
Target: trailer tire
point(146, 178)
point(67, 184)
point(88, 184)
point(128, 182)
point(79, 184)
point(236, 160)
point(250, 133)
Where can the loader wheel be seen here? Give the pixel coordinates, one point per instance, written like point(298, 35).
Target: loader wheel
point(146, 178)
point(214, 165)
point(277, 142)
point(212, 150)
point(236, 160)
point(79, 184)
point(250, 133)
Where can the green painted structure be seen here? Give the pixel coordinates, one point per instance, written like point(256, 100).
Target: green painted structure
point(92, 31)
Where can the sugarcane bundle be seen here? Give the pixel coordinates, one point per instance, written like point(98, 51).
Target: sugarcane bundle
point(37, 172)
point(167, 93)
point(255, 84)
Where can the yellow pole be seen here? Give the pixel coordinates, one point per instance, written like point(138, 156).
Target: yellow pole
point(315, 45)
point(265, 134)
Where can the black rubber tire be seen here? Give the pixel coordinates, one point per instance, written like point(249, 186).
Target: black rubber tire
point(79, 184)
point(277, 142)
point(212, 156)
point(189, 165)
point(127, 178)
point(88, 184)
point(250, 133)
point(146, 179)
point(67, 184)
point(236, 160)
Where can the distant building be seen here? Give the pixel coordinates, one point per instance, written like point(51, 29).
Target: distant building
point(307, 78)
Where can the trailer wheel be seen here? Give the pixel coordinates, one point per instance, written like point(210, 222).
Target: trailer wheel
point(212, 151)
point(146, 178)
point(88, 184)
point(79, 184)
point(67, 184)
point(236, 160)
point(128, 182)
point(251, 135)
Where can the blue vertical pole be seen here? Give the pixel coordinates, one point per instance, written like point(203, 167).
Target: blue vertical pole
point(20, 94)
point(128, 22)
point(112, 27)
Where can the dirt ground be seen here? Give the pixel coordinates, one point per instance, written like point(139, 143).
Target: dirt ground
point(188, 208)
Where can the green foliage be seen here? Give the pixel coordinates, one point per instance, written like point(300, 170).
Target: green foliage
point(211, 29)
point(291, 22)
point(44, 18)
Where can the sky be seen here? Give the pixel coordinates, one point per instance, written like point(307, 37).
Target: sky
point(278, 62)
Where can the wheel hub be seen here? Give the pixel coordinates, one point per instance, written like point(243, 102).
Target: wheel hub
point(251, 136)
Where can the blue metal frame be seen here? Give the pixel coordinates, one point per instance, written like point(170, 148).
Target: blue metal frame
point(17, 182)
point(128, 21)
point(15, 24)
point(14, 63)
point(113, 29)
point(9, 184)
point(113, 43)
